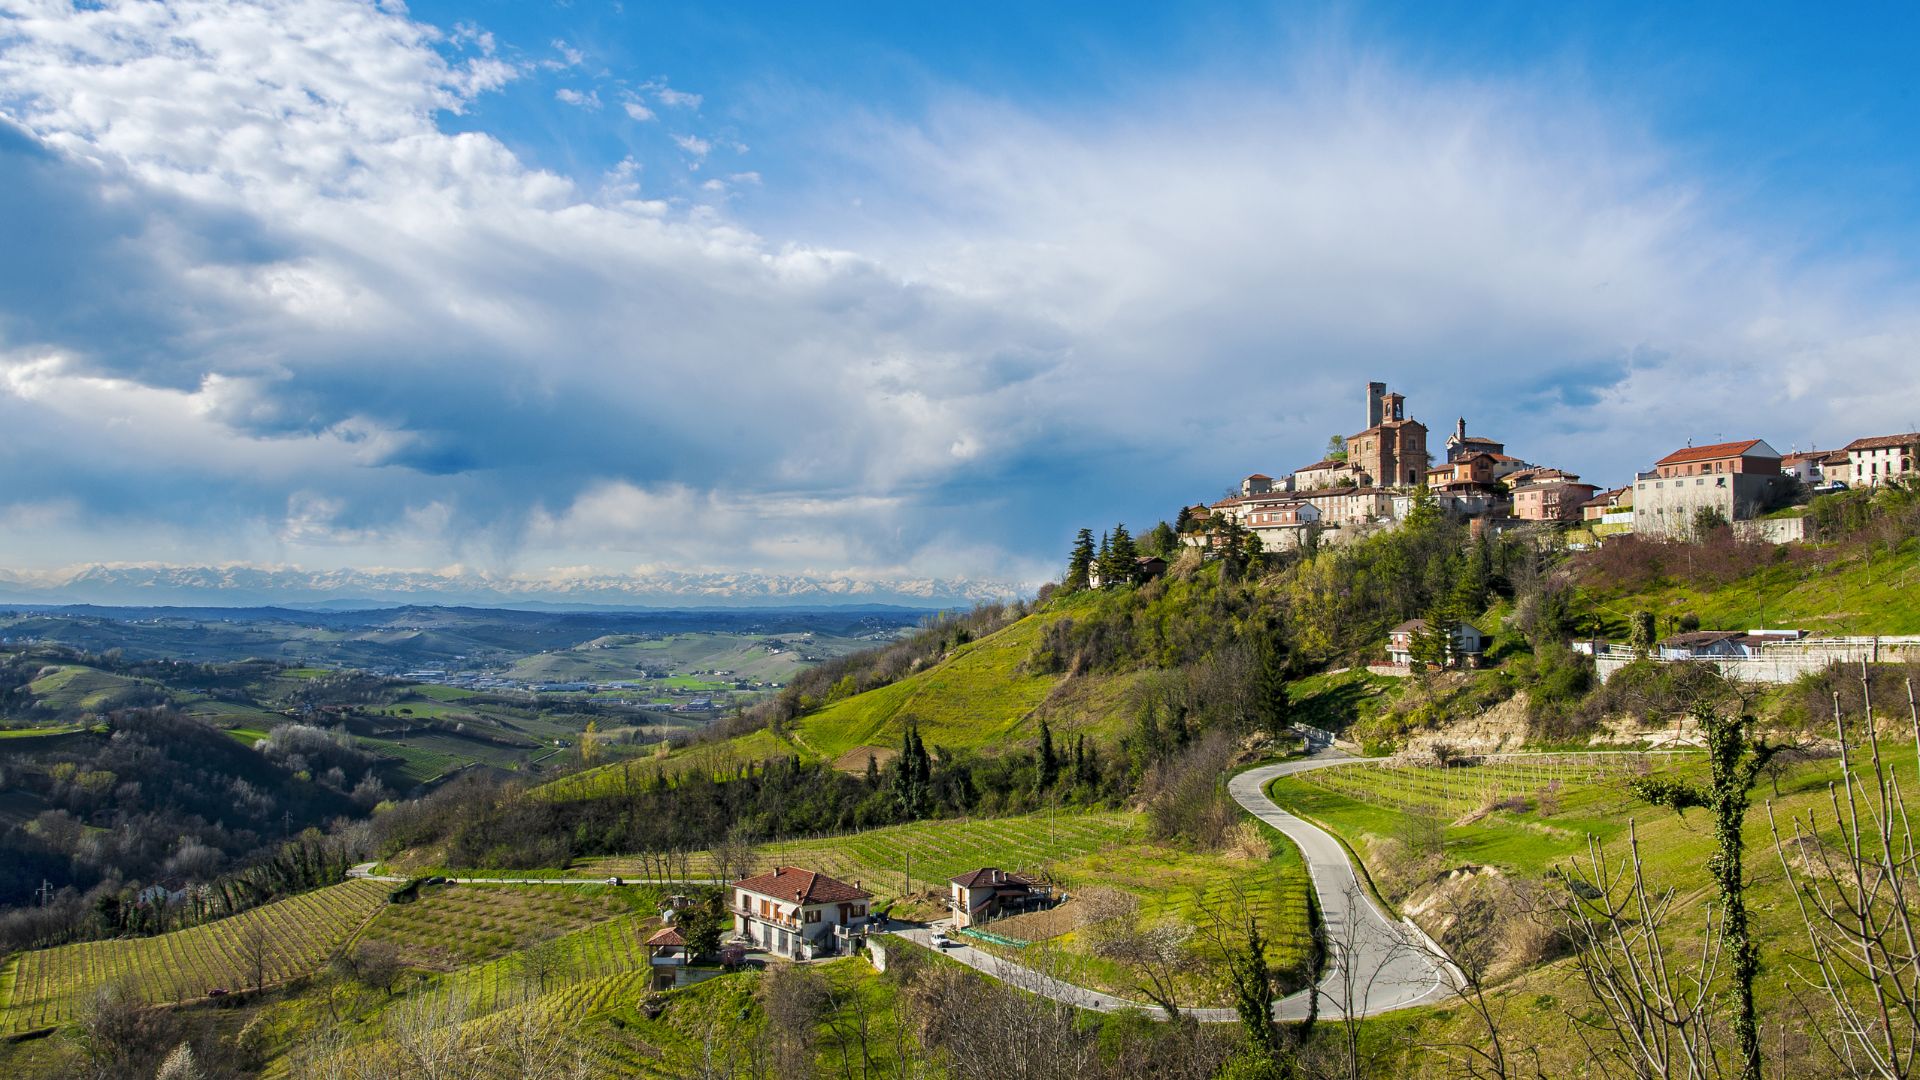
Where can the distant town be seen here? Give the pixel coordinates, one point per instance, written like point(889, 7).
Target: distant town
point(1371, 480)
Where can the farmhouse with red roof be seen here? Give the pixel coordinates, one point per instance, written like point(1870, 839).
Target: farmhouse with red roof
point(798, 913)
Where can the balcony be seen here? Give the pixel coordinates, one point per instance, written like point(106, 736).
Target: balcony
point(781, 921)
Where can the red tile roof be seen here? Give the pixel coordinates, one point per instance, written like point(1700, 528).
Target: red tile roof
point(801, 887)
point(1884, 442)
point(1259, 476)
point(1709, 453)
point(666, 935)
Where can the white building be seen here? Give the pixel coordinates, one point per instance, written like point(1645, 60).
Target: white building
point(1872, 462)
point(798, 913)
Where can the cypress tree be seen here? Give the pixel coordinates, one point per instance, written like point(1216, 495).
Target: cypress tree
point(1273, 707)
point(1049, 760)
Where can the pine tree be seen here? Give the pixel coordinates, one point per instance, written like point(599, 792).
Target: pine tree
point(1080, 563)
point(1162, 541)
point(1183, 522)
point(1125, 565)
point(1103, 560)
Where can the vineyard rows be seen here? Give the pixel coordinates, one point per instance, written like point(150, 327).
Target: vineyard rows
point(939, 849)
point(1584, 782)
point(458, 925)
point(606, 949)
point(290, 937)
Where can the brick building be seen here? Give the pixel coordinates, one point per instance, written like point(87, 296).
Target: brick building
point(1392, 451)
point(1738, 480)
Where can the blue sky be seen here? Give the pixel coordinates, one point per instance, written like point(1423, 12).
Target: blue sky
point(887, 292)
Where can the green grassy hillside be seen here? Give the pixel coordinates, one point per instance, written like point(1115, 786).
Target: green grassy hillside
point(1855, 590)
point(75, 686)
point(978, 695)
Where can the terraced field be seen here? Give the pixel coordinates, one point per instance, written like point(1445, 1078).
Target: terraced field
point(452, 926)
point(296, 935)
point(938, 849)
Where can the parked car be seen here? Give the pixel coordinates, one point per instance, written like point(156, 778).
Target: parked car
point(942, 941)
point(218, 991)
point(615, 880)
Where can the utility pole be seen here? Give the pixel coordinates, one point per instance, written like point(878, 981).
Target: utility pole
point(906, 877)
point(46, 891)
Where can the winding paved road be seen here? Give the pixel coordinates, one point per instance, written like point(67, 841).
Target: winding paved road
point(1376, 964)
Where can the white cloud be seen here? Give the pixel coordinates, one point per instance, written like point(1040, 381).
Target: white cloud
point(276, 274)
point(636, 109)
point(570, 57)
point(569, 96)
point(675, 99)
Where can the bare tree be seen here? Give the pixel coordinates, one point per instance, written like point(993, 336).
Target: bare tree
point(120, 1036)
point(735, 857)
point(794, 999)
point(257, 950)
point(429, 1037)
point(377, 964)
point(1494, 916)
point(1655, 1007)
point(1856, 895)
point(538, 965)
point(535, 1043)
point(1155, 956)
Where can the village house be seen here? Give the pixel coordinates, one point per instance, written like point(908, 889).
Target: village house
point(1874, 461)
point(1281, 526)
point(1350, 506)
point(1256, 484)
point(1608, 506)
point(1467, 647)
point(989, 892)
point(1146, 568)
point(1551, 495)
point(1461, 446)
point(1837, 468)
point(1806, 466)
point(1325, 473)
point(1737, 480)
point(798, 913)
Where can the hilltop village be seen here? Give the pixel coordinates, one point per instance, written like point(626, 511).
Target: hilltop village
point(1370, 480)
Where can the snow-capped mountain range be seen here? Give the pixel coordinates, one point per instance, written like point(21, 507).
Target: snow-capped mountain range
point(240, 585)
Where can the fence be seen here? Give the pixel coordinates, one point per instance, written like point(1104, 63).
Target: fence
point(1778, 662)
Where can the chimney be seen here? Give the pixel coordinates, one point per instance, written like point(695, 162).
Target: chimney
point(1376, 392)
point(1460, 429)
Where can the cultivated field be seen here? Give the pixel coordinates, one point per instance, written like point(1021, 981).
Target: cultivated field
point(452, 926)
point(1205, 893)
point(938, 849)
point(283, 939)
